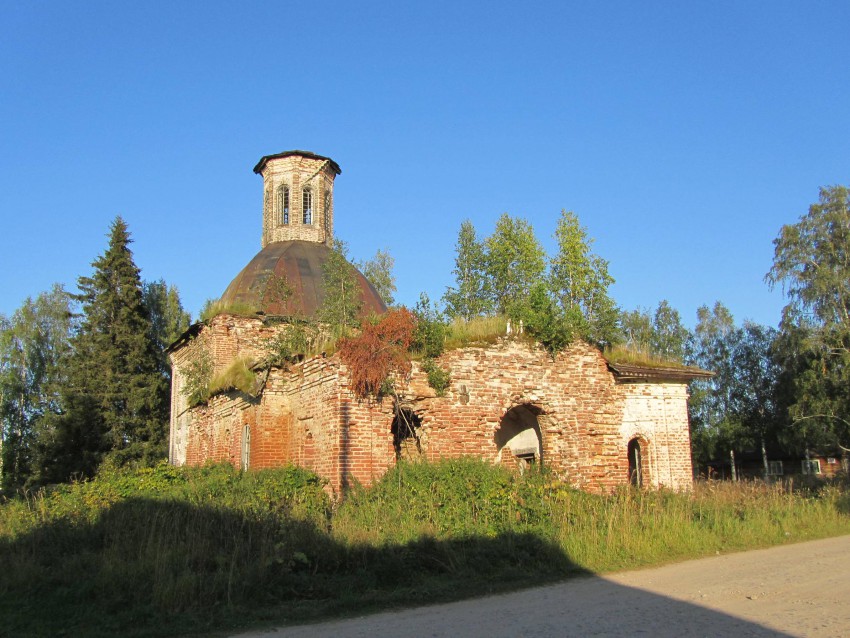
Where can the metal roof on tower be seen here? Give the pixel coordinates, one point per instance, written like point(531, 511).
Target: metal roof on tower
point(265, 158)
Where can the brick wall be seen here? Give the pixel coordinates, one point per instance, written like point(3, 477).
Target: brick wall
point(508, 403)
point(657, 414)
point(297, 173)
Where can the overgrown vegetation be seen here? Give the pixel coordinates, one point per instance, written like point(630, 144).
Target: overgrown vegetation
point(85, 378)
point(623, 354)
point(214, 307)
point(379, 351)
point(276, 292)
point(429, 338)
point(165, 551)
point(239, 375)
point(559, 298)
point(379, 272)
point(480, 331)
point(341, 307)
point(298, 339)
point(438, 378)
point(197, 374)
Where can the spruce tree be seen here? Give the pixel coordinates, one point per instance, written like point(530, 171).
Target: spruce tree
point(116, 395)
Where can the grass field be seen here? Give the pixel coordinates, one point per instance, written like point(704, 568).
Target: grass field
point(169, 551)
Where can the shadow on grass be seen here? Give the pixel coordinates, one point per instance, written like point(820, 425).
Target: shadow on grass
point(148, 567)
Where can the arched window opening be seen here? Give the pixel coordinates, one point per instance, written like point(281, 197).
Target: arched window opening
point(283, 204)
point(635, 463)
point(405, 429)
point(307, 205)
point(519, 434)
point(327, 209)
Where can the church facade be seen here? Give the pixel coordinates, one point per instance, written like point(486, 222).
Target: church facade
point(596, 424)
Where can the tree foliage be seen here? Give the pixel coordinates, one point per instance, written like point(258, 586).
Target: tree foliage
point(514, 263)
point(431, 328)
point(579, 280)
point(506, 273)
point(168, 318)
point(812, 265)
point(710, 403)
point(33, 343)
point(739, 408)
point(276, 293)
point(341, 304)
point(659, 333)
point(669, 337)
point(115, 399)
point(471, 297)
point(379, 351)
point(552, 326)
point(636, 328)
point(756, 392)
point(379, 272)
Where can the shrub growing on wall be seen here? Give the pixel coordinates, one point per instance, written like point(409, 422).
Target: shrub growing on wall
point(380, 350)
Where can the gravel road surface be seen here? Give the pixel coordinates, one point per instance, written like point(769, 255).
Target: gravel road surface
point(793, 590)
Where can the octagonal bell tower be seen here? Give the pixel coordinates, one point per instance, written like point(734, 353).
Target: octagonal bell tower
point(297, 197)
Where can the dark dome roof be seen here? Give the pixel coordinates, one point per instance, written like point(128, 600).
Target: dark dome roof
point(300, 264)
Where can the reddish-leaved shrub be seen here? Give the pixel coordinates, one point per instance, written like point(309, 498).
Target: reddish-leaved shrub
point(380, 350)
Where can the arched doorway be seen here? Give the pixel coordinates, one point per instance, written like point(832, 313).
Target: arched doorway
point(519, 435)
point(635, 463)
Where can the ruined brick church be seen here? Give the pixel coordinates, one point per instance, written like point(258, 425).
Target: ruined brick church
point(594, 423)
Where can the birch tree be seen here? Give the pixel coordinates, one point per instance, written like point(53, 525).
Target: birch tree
point(811, 264)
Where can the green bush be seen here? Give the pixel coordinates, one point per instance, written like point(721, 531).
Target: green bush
point(429, 340)
point(438, 378)
point(296, 340)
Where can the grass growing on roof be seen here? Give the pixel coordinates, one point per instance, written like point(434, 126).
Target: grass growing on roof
point(239, 375)
point(630, 356)
point(214, 307)
point(479, 331)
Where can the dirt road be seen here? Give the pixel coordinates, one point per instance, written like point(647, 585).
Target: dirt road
point(792, 590)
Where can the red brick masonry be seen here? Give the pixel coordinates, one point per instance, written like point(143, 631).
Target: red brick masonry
point(509, 403)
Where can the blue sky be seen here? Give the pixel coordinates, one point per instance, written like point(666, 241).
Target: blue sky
point(684, 135)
